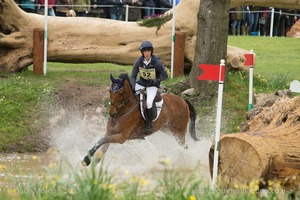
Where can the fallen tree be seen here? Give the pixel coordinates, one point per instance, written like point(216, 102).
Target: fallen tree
point(268, 148)
point(90, 40)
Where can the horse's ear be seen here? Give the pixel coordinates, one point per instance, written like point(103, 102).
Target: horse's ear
point(123, 80)
point(112, 78)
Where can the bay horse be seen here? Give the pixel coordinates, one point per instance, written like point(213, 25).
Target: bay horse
point(126, 122)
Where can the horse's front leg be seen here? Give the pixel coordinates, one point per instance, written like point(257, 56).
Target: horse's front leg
point(87, 159)
point(117, 138)
point(100, 152)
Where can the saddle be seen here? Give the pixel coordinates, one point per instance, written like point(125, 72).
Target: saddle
point(157, 104)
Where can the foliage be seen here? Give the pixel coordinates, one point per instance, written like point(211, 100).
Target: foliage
point(25, 98)
point(61, 181)
point(155, 20)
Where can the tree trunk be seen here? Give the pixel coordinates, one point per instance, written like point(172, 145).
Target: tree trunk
point(211, 40)
point(270, 149)
point(88, 40)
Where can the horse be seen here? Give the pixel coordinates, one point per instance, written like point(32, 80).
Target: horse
point(126, 122)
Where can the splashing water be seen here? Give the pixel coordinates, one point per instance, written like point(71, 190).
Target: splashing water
point(75, 138)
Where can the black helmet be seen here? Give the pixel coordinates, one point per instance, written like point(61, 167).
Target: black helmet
point(146, 45)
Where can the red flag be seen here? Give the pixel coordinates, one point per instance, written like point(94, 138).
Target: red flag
point(212, 72)
point(249, 59)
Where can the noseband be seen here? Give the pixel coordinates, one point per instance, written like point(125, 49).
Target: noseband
point(121, 101)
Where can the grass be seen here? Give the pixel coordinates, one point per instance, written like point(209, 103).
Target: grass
point(24, 96)
point(61, 181)
point(23, 104)
point(274, 55)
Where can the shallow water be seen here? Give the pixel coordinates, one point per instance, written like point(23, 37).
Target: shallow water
point(72, 140)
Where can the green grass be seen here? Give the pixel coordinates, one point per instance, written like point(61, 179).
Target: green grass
point(24, 96)
point(23, 104)
point(276, 55)
point(96, 182)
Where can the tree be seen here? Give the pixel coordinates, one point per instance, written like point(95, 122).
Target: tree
point(88, 40)
point(211, 40)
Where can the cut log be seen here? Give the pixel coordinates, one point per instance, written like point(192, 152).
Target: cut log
point(91, 40)
point(270, 149)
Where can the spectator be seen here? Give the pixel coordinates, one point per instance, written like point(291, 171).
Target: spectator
point(164, 5)
point(254, 18)
point(135, 12)
point(246, 27)
point(117, 11)
point(236, 18)
point(51, 4)
point(96, 10)
point(28, 6)
point(62, 7)
point(81, 7)
point(263, 21)
point(150, 10)
point(279, 23)
point(268, 22)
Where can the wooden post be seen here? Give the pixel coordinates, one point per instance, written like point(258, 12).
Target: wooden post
point(38, 50)
point(179, 54)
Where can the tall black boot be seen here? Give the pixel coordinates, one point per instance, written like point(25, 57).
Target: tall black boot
point(149, 119)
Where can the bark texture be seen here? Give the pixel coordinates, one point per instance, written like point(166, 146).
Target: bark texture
point(211, 40)
point(269, 149)
point(97, 40)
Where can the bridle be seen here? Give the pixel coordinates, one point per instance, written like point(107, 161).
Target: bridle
point(123, 102)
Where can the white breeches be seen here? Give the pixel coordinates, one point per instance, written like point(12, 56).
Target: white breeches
point(150, 91)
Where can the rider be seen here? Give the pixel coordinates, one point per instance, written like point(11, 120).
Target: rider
point(152, 72)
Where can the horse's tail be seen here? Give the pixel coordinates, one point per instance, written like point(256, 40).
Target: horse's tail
point(192, 125)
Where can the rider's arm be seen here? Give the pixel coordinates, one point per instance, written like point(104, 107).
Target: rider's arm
point(134, 72)
point(163, 74)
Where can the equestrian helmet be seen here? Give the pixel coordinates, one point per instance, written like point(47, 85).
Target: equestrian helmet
point(146, 45)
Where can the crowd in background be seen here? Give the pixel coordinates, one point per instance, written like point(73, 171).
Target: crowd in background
point(111, 9)
point(244, 20)
point(254, 20)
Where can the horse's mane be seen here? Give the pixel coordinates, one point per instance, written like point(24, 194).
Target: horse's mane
point(126, 77)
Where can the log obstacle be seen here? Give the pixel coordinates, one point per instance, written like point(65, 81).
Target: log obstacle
point(268, 150)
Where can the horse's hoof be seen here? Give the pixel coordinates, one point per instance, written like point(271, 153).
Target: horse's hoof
point(86, 161)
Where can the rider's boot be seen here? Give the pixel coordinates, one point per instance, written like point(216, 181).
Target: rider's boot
point(149, 118)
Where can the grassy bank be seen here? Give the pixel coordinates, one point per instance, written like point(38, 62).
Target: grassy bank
point(25, 97)
point(25, 100)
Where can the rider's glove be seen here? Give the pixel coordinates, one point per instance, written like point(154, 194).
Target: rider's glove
point(154, 81)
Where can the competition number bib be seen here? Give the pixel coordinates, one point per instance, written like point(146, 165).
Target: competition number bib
point(147, 73)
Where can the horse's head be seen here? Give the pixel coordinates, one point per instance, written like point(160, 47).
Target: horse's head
point(120, 93)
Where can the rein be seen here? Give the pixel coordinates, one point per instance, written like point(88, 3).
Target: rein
point(123, 104)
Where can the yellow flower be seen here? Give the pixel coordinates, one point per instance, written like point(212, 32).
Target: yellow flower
point(34, 157)
point(134, 179)
point(144, 182)
point(103, 185)
point(12, 191)
point(53, 183)
point(192, 197)
point(236, 186)
point(112, 187)
point(2, 167)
